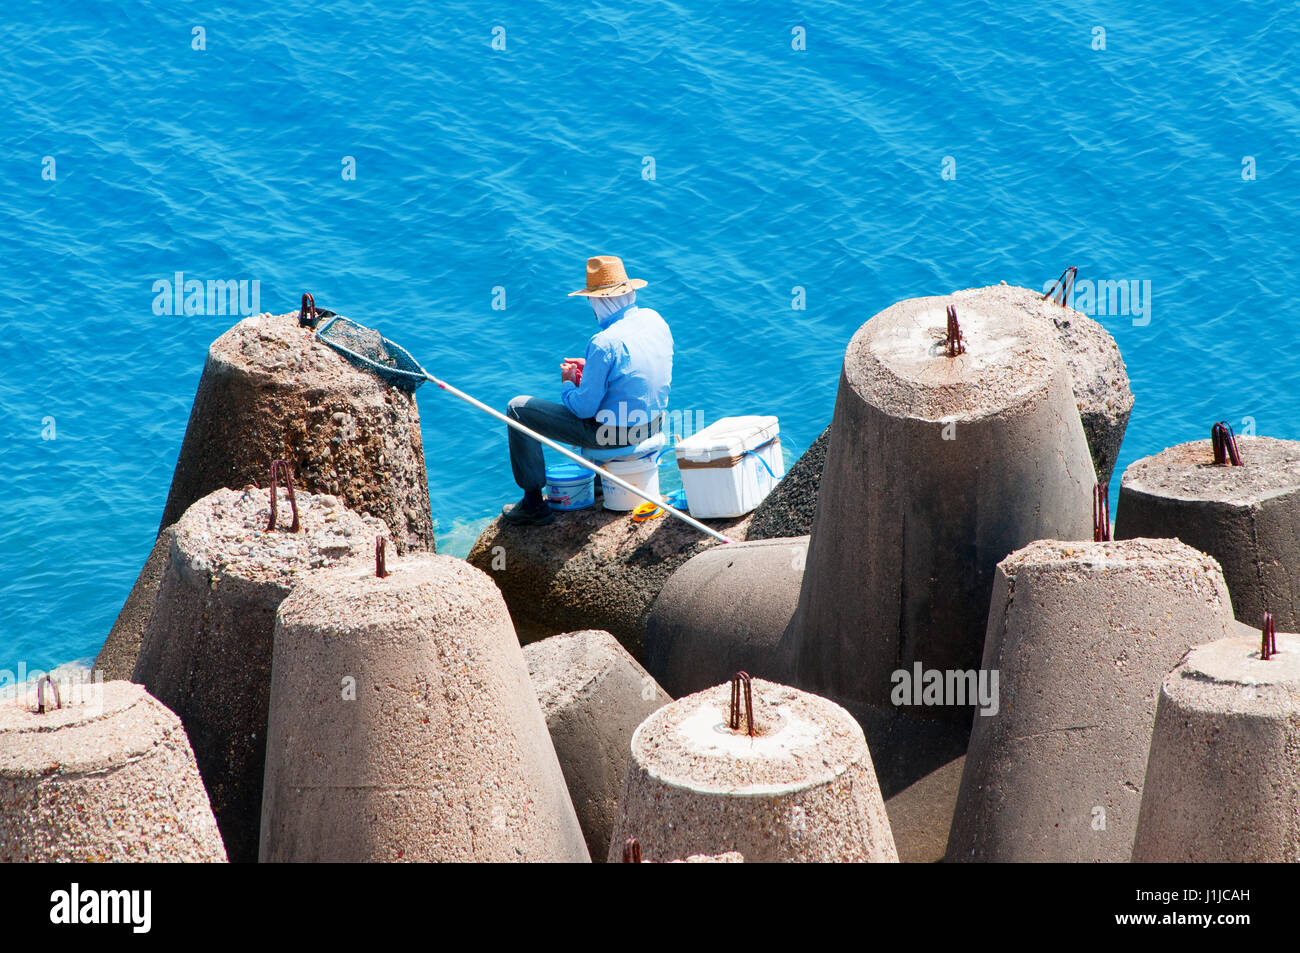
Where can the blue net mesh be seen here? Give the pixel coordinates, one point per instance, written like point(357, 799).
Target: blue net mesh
point(370, 350)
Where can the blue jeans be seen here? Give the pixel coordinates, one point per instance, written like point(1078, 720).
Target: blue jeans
point(554, 420)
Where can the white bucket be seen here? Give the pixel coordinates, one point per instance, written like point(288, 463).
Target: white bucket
point(642, 473)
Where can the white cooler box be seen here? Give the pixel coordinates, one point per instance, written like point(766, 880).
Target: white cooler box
point(730, 466)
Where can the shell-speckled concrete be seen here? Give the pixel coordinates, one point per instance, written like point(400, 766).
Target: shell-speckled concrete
point(403, 725)
point(1081, 635)
point(270, 389)
point(1223, 776)
point(206, 652)
point(109, 777)
point(802, 789)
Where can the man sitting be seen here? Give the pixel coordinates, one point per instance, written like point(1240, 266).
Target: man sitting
point(615, 396)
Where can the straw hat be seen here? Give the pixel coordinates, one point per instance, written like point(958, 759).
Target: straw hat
point(606, 278)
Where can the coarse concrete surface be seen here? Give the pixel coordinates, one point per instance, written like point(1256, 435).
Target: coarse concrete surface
point(1098, 376)
point(789, 509)
point(206, 652)
point(726, 610)
point(1081, 635)
point(270, 390)
point(108, 778)
point(801, 789)
point(592, 568)
point(593, 695)
point(921, 814)
point(1247, 517)
point(404, 726)
point(117, 657)
point(938, 467)
point(1223, 775)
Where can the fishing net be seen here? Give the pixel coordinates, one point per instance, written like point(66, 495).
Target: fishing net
point(371, 351)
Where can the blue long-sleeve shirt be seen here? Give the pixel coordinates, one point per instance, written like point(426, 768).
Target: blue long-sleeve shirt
point(628, 372)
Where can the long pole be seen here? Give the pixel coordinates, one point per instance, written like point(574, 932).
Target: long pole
point(580, 461)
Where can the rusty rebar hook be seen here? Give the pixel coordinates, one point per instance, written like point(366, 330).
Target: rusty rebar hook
point(380, 571)
point(952, 339)
point(40, 694)
point(631, 851)
point(1268, 640)
point(1066, 285)
point(733, 722)
point(1100, 514)
point(307, 317)
point(279, 467)
point(1224, 442)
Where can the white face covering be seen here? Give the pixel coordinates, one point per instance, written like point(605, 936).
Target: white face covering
point(604, 307)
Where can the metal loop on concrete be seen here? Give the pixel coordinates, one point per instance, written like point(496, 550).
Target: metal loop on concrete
point(40, 694)
point(1224, 442)
point(1100, 514)
point(953, 341)
point(307, 317)
point(631, 851)
point(1268, 639)
point(1065, 284)
point(281, 468)
point(737, 680)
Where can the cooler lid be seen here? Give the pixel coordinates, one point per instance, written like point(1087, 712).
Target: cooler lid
point(728, 437)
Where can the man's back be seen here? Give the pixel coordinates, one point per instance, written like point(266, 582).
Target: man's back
point(628, 372)
point(615, 397)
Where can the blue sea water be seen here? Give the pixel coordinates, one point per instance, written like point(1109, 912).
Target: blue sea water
point(481, 168)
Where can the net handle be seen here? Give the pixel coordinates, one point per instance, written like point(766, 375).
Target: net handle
point(419, 373)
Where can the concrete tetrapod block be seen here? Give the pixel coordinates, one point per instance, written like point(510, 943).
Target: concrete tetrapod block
point(403, 725)
point(1099, 378)
point(937, 468)
point(728, 610)
point(1101, 391)
point(1247, 517)
point(802, 789)
point(921, 814)
point(724, 611)
point(1081, 634)
point(270, 390)
point(592, 568)
point(593, 695)
point(206, 652)
point(1223, 775)
point(117, 657)
point(108, 777)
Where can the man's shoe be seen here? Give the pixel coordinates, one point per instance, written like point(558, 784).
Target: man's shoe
point(521, 515)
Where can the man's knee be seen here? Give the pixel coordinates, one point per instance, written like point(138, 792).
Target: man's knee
point(515, 406)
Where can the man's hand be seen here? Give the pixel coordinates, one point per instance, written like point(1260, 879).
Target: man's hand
point(571, 370)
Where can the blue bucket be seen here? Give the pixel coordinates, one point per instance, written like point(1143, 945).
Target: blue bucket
point(570, 487)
